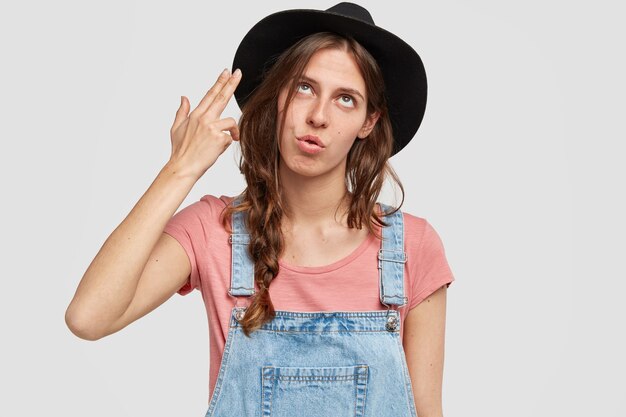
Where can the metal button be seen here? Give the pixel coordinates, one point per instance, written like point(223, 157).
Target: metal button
point(392, 323)
point(239, 314)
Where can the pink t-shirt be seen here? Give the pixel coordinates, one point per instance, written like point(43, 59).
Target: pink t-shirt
point(350, 284)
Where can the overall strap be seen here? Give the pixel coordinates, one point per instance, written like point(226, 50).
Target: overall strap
point(391, 259)
point(242, 268)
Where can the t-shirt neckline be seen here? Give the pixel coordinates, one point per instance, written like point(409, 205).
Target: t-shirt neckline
point(332, 266)
point(370, 239)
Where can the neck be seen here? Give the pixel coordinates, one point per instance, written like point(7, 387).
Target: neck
point(314, 200)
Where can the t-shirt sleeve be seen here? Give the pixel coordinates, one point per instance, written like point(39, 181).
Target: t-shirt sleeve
point(183, 227)
point(430, 270)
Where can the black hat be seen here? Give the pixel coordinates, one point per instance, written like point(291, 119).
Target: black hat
point(402, 68)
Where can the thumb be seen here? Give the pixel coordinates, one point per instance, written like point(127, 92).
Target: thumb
point(182, 112)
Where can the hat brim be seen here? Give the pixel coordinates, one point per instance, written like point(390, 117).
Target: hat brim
point(403, 71)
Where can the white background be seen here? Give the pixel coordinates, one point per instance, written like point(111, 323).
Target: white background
point(519, 166)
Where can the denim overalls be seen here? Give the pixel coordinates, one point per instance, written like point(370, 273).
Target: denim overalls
point(317, 364)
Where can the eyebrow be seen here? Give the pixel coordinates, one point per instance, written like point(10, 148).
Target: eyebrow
point(342, 89)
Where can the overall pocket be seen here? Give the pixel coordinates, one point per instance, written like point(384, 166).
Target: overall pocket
point(314, 391)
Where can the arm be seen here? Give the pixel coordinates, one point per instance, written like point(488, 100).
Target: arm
point(423, 342)
point(137, 268)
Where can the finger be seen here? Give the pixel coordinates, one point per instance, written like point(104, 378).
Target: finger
point(213, 91)
point(234, 133)
point(220, 101)
point(229, 124)
point(181, 113)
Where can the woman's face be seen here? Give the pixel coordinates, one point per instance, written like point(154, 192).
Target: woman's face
point(330, 106)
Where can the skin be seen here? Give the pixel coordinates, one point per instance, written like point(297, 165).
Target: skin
point(314, 187)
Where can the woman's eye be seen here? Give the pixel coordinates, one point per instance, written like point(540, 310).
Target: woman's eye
point(304, 87)
point(347, 100)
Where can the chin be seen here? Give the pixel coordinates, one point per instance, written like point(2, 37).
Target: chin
point(304, 170)
point(304, 167)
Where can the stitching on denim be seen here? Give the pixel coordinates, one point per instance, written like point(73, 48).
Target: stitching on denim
point(271, 397)
point(263, 390)
point(408, 389)
point(372, 314)
point(366, 376)
point(361, 383)
point(391, 259)
point(217, 390)
point(394, 333)
point(356, 393)
point(313, 378)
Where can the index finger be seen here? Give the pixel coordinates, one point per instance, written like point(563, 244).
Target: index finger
point(218, 105)
point(213, 91)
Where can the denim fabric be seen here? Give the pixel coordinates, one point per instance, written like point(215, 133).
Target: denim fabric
point(317, 364)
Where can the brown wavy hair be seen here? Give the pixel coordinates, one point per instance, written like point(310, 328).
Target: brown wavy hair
point(366, 170)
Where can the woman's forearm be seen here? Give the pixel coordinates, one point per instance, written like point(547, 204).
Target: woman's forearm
point(109, 284)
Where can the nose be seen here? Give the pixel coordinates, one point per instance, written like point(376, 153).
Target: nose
point(318, 114)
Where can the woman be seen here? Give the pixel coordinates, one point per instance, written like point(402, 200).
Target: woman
point(326, 97)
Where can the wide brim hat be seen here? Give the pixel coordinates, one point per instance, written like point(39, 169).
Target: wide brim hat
point(402, 68)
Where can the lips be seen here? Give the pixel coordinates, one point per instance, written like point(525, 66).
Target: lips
point(312, 139)
point(309, 144)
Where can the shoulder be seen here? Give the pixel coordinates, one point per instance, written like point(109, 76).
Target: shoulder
point(210, 204)
point(413, 224)
point(203, 211)
point(418, 232)
point(216, 202)
point(422, 242)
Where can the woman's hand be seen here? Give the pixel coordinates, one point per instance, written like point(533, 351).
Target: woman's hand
point(200, 137)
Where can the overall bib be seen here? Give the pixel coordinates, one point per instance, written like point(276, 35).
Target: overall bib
point(317, 364)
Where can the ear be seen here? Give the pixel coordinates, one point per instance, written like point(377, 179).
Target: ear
point(368, 125)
